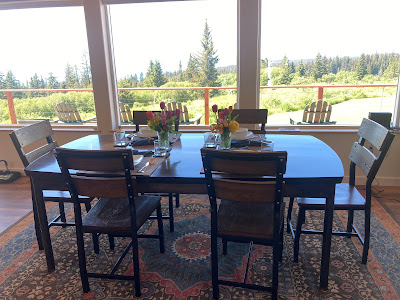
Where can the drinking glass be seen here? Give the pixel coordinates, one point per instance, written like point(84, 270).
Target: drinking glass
point(119, 138)
point(158, 150)
point(209, 140)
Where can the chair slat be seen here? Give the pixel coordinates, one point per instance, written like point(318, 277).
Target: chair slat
point(317, 117)
point(324, 117)
point(362, 157)
point(328, 114)
point(373, 133)
point(100, 187)
point(311, 113)
point(33, 133)
point(305, 113)
point(245, 191)
point(35, 154)
point(251, 116)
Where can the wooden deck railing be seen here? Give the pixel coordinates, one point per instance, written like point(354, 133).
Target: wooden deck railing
point(206, 90)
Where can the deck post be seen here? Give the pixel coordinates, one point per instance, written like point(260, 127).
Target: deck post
point(11, 107)
point(207, 106)
point(320, 93)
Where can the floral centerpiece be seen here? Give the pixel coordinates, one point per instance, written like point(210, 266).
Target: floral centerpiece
point(163, 123)
point(224, 125)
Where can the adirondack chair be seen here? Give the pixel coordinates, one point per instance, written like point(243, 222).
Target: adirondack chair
point(68, 113)
point(126, 113)
point(316, 113)
point(184, 117)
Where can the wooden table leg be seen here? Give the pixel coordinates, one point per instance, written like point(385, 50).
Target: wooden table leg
point(327, 239)
point(44, 228)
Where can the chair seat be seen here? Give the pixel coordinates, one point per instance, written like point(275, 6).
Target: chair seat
point(61, 196)
point(113, 215)
point(346, 197)
point(252, 220)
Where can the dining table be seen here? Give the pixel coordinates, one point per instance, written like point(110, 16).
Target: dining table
point(313, 169)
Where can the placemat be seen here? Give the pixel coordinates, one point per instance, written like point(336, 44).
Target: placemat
point(151, 168)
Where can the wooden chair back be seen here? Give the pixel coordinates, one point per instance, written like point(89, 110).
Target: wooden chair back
point(378, 136)
point(126, 114)
point(317, 112)
point(97, 173)
point(67, 113)
point(140, 118)
point(184, 116)
point(28, 135)
point(244, 176)
point(251, 116)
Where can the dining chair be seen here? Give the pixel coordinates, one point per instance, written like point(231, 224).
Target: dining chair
point(249, 186)
point(252, 116)
point(140, 118)
point(41, 134)
point(118, 212)
point(347, 196)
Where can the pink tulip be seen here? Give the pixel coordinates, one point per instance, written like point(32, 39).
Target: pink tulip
point(226, 111)
point(215, 108)
point(162, 105)
point(177, 112)
point(169, 114)
point(155, 114)
point(163, 113)
point(165, 127)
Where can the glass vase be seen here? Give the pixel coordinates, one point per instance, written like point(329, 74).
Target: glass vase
point(163, 139)
point(225, 140)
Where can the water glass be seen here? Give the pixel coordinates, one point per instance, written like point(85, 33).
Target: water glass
point(119, 138)
point(267, 145)
point(158, 150)
point(209, 140)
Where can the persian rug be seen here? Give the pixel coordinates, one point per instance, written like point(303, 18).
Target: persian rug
point(184, 270)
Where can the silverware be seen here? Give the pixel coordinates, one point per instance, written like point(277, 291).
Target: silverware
point(142, 169)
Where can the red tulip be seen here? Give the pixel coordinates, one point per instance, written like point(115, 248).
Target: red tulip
point(169, 114)
point(162, 105)
point(226, 111)
point(149, 114)
point(214, 108)
point(230, 108)
point(177, 112)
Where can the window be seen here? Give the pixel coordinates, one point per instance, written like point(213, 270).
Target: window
point(159, 45)
point(345, 43)
point(43, 49)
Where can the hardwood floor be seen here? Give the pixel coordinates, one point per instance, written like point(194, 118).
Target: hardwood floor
point(15, 201)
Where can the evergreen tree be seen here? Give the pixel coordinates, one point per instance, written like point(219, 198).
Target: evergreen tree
point(264, 63)
point(71, 77)
point(192, 70)
point(52, 82)
point(362, 67)
point(154, 75)
point(141, 78)
point(180, 71)
point(34, 84)
point(292, 68)
point(207, 60)
point(2, 81)
point(392, 71)
point(318, 69)
point(10, 81)
point(301, 69)
point(86, 73)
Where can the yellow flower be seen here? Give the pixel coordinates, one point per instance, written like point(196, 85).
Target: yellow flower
point(225, 124)
point(233, 126)
point(156, 121)
point(150, 124)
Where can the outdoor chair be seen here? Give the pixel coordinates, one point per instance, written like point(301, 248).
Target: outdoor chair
point(250, 188)
point(118, 212)
point(347, 197)
point(252, 116)
point(316, 113)
point(184, 117)
point(68, 113)
point(126, 114)
point(34, 134)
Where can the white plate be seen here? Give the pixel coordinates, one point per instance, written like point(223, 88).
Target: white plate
point(152, 134)
point(137, 159)
point(248, 136)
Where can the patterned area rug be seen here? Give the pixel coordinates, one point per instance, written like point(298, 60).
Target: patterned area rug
point(184, 270)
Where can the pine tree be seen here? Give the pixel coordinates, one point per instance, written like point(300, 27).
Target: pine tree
point(301, 69)
point(34, 84)
point(361, 67)
point(207, 60)
point(180, 71)
point(318, 68)
point(159, 78)
point(192, 70)
point(71, 77)
point(10, 82)
point(52, 82)
point(86, 73)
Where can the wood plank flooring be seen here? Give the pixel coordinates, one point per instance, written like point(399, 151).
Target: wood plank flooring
point(15, 201)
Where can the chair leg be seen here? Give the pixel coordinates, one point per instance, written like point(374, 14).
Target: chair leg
point(276, 255)
point(300, 220)
point(367, 235)
point(171, 212)
point(281, 242)
point(62, 213)
point(111, 241)
point(87, 206)
point(160, 229)
point(214, 266)
point(177, 200)
point(82, 258)
point(350, 218)
point(289, 214)
point(38, 232)
point(224, 247)
point(135, 257)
